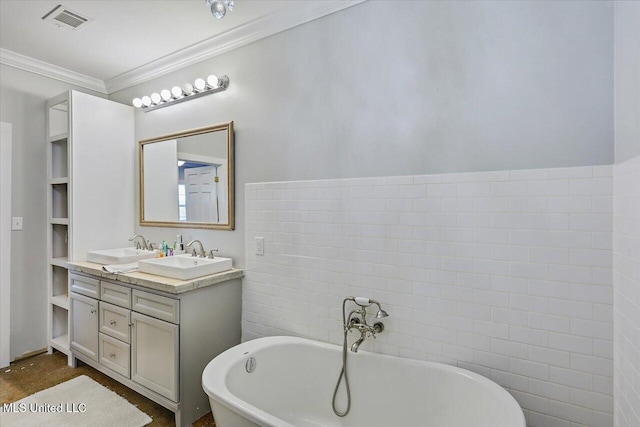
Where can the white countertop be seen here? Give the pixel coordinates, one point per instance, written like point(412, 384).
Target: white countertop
point(158, 283)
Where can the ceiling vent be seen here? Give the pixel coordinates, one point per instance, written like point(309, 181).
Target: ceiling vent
point(63, 17)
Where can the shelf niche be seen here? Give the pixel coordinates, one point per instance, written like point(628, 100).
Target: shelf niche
point(59, 239)
point(59, 205)
point(59, 119)
point(59, 281)
point(60, 325)
point(59, 162)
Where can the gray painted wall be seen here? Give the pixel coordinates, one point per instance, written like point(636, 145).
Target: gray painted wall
point(22, 103)
point(627, 80)
point(417, 88)
point(374, 90)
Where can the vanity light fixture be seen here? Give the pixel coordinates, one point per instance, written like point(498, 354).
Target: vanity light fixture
point(155, 98)
point(166, 95)
point(177, 94)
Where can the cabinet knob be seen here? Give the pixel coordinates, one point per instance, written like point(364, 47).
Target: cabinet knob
point(112, 355)
point(93, 311)
point(113, 322)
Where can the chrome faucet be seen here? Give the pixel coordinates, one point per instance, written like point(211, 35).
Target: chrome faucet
point(137, 238)
point(357, 319)
point(193, 250)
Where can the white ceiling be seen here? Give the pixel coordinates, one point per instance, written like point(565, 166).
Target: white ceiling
point(129, 42)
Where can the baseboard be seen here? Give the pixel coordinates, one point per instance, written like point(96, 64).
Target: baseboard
point(29, 354)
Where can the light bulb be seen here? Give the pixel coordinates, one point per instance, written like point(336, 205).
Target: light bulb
point(137, 102)
point(187, 89)
point(166, 95)
point(212, 81)
point(155, 98)
point(146, 101)
point(176, 92)
point(218, 10)
point(230, 4)
point(200, 85)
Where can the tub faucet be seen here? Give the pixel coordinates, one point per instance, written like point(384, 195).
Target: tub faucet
point(357, 319)
point(193, 250)
point(138, 238)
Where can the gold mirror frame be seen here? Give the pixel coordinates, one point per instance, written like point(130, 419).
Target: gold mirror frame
point(230, 178)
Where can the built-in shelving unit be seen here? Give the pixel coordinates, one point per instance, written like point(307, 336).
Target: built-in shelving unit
point(88, 205)
point(58, 208)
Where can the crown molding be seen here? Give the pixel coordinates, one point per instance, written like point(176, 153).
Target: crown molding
point(16, 60)
point(240, 36)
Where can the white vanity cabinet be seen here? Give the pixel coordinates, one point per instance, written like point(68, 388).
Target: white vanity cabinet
point(141, 345)
point(156, 343)
point(84, 325)
point(154, 355)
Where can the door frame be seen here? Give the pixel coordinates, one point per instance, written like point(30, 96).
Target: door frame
point(5, 243)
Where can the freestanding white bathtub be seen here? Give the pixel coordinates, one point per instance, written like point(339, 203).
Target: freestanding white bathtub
point(293, 380)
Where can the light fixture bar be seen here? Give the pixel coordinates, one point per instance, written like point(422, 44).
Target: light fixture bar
point(223, 83)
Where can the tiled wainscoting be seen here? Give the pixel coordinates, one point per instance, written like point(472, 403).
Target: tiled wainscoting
point(626, 279)
point(506, 273)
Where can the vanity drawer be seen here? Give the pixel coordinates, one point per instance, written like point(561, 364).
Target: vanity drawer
point(84, 285)
point(115, 294)
point(157, 306)
point(115, 321)
point(115, 355)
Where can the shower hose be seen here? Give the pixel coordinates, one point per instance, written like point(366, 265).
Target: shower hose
point(343, 373)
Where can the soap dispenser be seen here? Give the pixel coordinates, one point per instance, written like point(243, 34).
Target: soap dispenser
point(179, 244)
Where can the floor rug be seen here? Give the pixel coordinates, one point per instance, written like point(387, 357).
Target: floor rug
point(78, 402)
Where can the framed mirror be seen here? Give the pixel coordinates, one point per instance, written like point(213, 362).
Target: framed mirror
point(187, 179)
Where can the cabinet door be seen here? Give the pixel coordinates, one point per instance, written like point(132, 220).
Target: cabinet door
point(84, 325)
point(154, 355)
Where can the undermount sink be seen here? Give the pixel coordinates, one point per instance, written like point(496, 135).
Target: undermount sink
point(119, 255)
point(184, 267)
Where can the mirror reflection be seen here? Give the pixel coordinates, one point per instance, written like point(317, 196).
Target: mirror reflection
point(186, 179)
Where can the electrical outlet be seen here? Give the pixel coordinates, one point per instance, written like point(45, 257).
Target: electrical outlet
point(259, 245)
point(16, 223)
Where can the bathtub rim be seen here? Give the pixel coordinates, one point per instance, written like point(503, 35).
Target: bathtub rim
point(215, 375)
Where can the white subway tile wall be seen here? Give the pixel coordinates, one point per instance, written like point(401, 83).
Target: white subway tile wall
point(508, 274)
point(626, 279)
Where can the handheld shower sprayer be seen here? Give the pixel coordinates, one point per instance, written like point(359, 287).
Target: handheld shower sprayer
point(366, 302)
point(357, 319)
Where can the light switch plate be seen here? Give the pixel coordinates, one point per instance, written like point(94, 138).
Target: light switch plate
point(259, 245)
point(16, 223)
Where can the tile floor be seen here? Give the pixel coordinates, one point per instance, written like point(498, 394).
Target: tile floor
point(33, 374)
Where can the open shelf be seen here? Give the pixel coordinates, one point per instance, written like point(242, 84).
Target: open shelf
point(63, 180)
point(59, 159)
point(59, 241)
point(59, 137)
point(60, 301)
point(59, 120)
point(60, 262)
point(60, 328)
point(61, 343)
point(59, 281)
point(59, 201)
